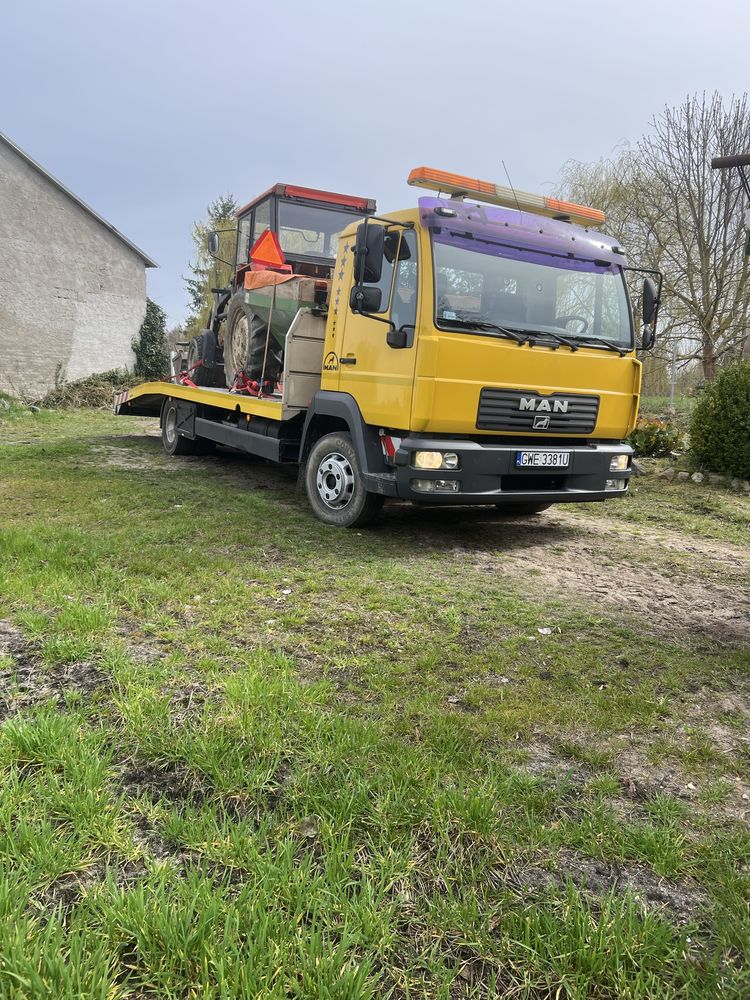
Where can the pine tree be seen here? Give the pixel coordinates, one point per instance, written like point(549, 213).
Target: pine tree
point(206, 272)
point(150, 346)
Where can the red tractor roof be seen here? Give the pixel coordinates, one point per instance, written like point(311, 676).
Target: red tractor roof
point(364, 205)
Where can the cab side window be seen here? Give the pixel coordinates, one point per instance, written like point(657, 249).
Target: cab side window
point(404, 303)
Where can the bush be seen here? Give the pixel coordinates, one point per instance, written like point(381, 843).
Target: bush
point(655, 438)
point(92, 391)
point(150, 346)
point(720, 425)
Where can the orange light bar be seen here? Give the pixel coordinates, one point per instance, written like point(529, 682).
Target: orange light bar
point(496, 194)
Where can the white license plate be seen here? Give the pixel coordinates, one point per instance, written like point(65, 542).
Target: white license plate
point(542, 459)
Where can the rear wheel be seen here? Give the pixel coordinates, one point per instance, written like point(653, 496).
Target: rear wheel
point(174, 443)
point(335, 486)
point(520, 509)
point(246, 345)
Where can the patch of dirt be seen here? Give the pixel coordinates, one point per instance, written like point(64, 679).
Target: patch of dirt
point(67, 890)
point(178, 785)
point(27, 681)
point(684, 901)
point(672, 600)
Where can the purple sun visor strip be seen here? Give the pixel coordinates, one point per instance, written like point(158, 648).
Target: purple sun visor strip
point(506, 232)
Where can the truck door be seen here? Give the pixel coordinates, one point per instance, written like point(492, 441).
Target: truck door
point(380, 377)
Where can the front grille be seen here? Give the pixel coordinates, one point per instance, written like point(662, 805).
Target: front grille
point(528, 484)
point(513, 410)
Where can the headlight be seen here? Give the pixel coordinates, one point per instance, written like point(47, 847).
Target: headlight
point(616, 484)
point(619, 463)
point(435, 460)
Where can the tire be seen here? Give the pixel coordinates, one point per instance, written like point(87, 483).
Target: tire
point(334, 484)
point(174, 443)
point(245, 344)
point(202, 349)
point(522, 509)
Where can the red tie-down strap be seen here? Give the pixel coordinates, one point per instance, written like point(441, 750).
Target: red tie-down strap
point(252, 387)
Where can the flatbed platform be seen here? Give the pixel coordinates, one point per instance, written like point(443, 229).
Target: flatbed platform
point(146, 400)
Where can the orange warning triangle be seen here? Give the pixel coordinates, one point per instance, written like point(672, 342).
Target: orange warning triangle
point(267, 250)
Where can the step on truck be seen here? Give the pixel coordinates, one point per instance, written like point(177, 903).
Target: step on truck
point(479, 348)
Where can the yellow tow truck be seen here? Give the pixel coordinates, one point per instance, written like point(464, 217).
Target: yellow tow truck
point(479, 348)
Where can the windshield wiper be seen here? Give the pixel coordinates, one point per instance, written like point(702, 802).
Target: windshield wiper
point(480, 324)
point(561, 340)
point(610, 344)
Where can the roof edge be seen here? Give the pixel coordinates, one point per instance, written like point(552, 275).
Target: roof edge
point(79, 201)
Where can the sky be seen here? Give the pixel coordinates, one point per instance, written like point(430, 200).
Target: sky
point(149, 109)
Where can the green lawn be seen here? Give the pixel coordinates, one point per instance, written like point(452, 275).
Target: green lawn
point(245, 755)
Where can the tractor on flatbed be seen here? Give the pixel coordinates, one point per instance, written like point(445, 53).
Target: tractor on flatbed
point(476, 349)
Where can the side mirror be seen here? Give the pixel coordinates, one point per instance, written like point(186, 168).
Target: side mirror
point(368, 253)
point(650, 312)
point(365, 299)
point(213, 243)
point(397, 338)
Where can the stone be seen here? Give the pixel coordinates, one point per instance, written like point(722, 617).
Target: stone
point(667, 474)
point(745, 486)
point(637, 468)
point(715, 479)
point(33, 409)
point(697, 477)
point(683, 476)
point(736, 484)
point(4, 404)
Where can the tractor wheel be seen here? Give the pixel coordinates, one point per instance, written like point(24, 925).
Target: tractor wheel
point(174, 443)
point(245, 344)
point(202, 352)
point(334, 484)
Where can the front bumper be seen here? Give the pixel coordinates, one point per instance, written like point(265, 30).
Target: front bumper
point(487, 473)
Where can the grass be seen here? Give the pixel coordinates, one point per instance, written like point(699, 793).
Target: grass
point(245, 755)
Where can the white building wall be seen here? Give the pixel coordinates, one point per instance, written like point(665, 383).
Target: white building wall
point(72, 295)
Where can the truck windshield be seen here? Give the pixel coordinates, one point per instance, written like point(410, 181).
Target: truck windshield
point(526, 290)
point(306, 230)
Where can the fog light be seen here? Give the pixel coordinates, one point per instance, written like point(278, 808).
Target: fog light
point(619, 463)
point(435, 485)
point(435, 460)
point(615, 484)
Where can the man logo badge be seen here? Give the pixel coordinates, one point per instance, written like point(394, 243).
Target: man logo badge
point(543, 405)
point(541, 422)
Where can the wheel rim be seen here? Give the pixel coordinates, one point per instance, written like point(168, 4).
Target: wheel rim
point(335, 481)
point(170, 425)
point(239, 344)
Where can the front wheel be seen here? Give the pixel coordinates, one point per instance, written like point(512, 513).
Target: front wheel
point(335, 486)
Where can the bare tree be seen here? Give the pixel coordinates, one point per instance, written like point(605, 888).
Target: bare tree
point(672, 212)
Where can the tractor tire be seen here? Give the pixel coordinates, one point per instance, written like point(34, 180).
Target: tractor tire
point(245, 339)
point(174, 443)
point(334, 484)
point(202, 352)
point(521, 509)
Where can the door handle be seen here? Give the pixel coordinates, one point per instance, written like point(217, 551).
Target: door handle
point(348, 361)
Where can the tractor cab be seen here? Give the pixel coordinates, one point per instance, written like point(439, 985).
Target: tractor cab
point(306, 224)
